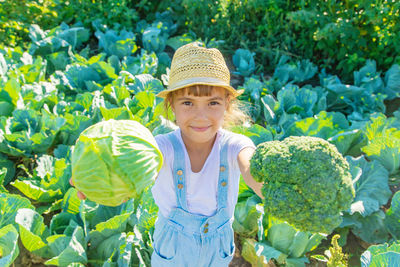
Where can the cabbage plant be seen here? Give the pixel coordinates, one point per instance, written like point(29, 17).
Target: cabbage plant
point(244, 62)
point(381, 255)
point(115, 160)
point(154, 39)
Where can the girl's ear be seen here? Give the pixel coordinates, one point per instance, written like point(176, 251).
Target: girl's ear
point(171, 104)
point(228, 101)
point(169, 99)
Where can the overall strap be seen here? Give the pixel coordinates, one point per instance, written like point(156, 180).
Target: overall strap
point(179, 171)
point(223, 180)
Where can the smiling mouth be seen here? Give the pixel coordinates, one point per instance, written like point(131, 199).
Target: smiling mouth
point(200, 129)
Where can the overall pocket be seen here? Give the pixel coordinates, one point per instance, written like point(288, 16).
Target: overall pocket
point(165, 243)
point(227, 244)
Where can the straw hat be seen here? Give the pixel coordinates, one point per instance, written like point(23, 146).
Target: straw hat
point(193, 64)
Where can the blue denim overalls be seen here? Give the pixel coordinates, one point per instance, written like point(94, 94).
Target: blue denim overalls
point(186, 239)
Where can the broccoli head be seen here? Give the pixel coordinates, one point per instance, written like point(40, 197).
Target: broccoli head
point(306, 182)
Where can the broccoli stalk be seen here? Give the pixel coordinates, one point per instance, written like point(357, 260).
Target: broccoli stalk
point(306, 182)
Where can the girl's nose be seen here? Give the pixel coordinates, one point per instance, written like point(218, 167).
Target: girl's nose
point(201, 113)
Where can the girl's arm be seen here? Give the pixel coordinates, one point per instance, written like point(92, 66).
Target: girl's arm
point(244, 157)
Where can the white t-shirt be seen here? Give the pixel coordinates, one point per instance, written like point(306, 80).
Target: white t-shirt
point(202, 186)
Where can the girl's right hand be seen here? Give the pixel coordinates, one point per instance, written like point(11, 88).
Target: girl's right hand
point(79, 193)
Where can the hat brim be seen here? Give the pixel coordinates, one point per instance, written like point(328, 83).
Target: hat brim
point(198, 81)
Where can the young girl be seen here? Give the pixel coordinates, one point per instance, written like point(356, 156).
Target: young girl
point(197, 188)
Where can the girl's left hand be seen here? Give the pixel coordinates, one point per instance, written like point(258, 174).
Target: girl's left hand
point(244, 165)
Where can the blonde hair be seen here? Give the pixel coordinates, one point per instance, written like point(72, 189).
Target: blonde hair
point(234, 115)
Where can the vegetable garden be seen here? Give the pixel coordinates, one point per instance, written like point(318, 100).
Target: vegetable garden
point(327, 69)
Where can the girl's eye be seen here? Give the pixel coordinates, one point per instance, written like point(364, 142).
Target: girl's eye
point(187, 103)
point(214, 103)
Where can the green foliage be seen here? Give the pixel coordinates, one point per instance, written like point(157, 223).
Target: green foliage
point(244, 62)
point(49, 181)
point(246, 216)
point(17, 16)
point(9, 206)
point(9, 169)
point(334, 257)
point(250, 255)
point(9, 250)
point(381, 255)
point(280, 241)
point(338, 35)
point(333, 127)
point(307, 182)
point(337, 258)
point(57, 39)
point(321, 68)
point(370, 180)
point(295, 72)
point(111, 233)
point(112, 13)
point(384, 142)
point(119, 44)
point(392, 218)
point(28, 132)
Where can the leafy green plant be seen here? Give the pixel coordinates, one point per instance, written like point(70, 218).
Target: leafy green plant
point(154, 40)
point(9, 250)
point(57, 39)
point(333, 127)
point(352, 100)
point(296, 72)
point(392, 217)
point(246, 213)
point(120, 44)
point(339, 36)
point(384, 142)
point(334, 256)
point(279, 241)
point(17, 16)
point(381, 255)
point(365, 217)
point(85, 232)
point(244, 62)
point(370, 181)
point(115, 14)
point(28, 132)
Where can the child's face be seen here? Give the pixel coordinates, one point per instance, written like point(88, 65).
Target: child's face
point(199, 117)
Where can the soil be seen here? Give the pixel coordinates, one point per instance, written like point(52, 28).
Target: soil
point(392, 106)
point(238, 260)
point(27, 259)
point(353, 249)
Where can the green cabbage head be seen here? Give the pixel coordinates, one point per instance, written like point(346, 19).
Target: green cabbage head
point(307, 182)
point(115, 160)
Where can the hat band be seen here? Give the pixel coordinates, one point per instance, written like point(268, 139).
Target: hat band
point(198, 80)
